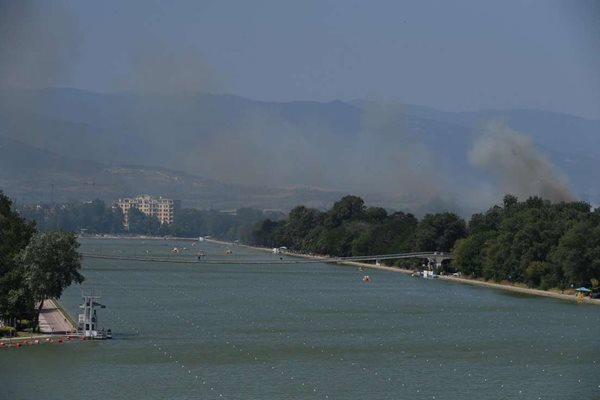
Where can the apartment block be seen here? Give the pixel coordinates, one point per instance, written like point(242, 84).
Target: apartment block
point(160, 207)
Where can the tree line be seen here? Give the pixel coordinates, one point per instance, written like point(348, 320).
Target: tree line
point(350, 228)
point(97, 217)
point(33, 266)
point(535, 242)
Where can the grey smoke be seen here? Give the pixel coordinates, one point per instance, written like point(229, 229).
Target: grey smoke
point(39, 43)
point(520, 168)
point(383, 159)
point(393, 158)
point(155, 68)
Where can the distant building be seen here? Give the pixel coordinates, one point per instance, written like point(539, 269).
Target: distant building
point(160, 207)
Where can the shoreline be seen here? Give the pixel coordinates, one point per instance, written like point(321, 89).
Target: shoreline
point(468, 281)
point(50, 334)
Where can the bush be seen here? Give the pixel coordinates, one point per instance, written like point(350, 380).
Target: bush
point(23, 324)
point(7, 331)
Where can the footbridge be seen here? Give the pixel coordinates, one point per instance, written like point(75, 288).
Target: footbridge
point(433, 258)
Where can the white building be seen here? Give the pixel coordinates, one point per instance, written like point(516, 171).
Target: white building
point(160, 207)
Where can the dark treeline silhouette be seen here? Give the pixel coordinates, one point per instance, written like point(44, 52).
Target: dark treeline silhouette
point(94, 216)
point(534, 242)
point(352, 229)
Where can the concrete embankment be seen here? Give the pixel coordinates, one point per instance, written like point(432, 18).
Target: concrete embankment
point(56, 325)
point(54, 319)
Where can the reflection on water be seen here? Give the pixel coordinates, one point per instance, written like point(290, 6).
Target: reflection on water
point(308, 331)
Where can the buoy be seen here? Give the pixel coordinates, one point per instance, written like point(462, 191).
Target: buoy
point(59, 340)
point(18, 345)
point(48, 340)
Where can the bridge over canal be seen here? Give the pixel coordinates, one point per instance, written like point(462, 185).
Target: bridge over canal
point(433, 258)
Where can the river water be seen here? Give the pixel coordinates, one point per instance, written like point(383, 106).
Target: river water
point(304, 331)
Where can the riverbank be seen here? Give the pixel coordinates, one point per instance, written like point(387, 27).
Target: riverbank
point(36, 339)
point(55, 324)
point(469, 281)
point(463, 280)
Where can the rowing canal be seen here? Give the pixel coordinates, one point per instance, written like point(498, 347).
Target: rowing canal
point(304, 331)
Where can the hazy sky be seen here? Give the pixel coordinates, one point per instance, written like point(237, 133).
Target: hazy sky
point(454, 55)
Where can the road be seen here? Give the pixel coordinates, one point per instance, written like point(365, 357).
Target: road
point(53, 321)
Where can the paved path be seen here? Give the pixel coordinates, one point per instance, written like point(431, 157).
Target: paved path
point(52, 319)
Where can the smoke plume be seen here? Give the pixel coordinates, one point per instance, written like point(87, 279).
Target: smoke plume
point(519, 167)
point(39, 42)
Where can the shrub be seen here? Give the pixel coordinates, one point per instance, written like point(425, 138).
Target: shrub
point(7, 331)
point(23, 324)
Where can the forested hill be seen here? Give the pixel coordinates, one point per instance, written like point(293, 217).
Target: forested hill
point(536, 242)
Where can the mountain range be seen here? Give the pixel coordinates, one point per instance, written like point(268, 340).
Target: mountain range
point(225, 151)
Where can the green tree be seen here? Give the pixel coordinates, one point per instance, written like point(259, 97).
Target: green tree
point(439, 232)
point(393, 235)
point(536, 272)
point(467, 254)
point(50, 263)
point(348, 208)
point(265, 233)
point(578, 252)
point(376, 215)
point(301, 221)
point(142, 223)
point(15, 233)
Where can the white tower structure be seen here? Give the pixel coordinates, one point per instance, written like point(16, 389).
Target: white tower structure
point(87, 325)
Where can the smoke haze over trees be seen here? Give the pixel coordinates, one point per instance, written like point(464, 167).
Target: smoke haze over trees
point(519, 166)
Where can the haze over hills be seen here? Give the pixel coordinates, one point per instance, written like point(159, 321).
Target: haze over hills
point(30, 175)
point(226, 151)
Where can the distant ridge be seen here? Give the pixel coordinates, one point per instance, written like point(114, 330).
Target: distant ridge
point(46, 134)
